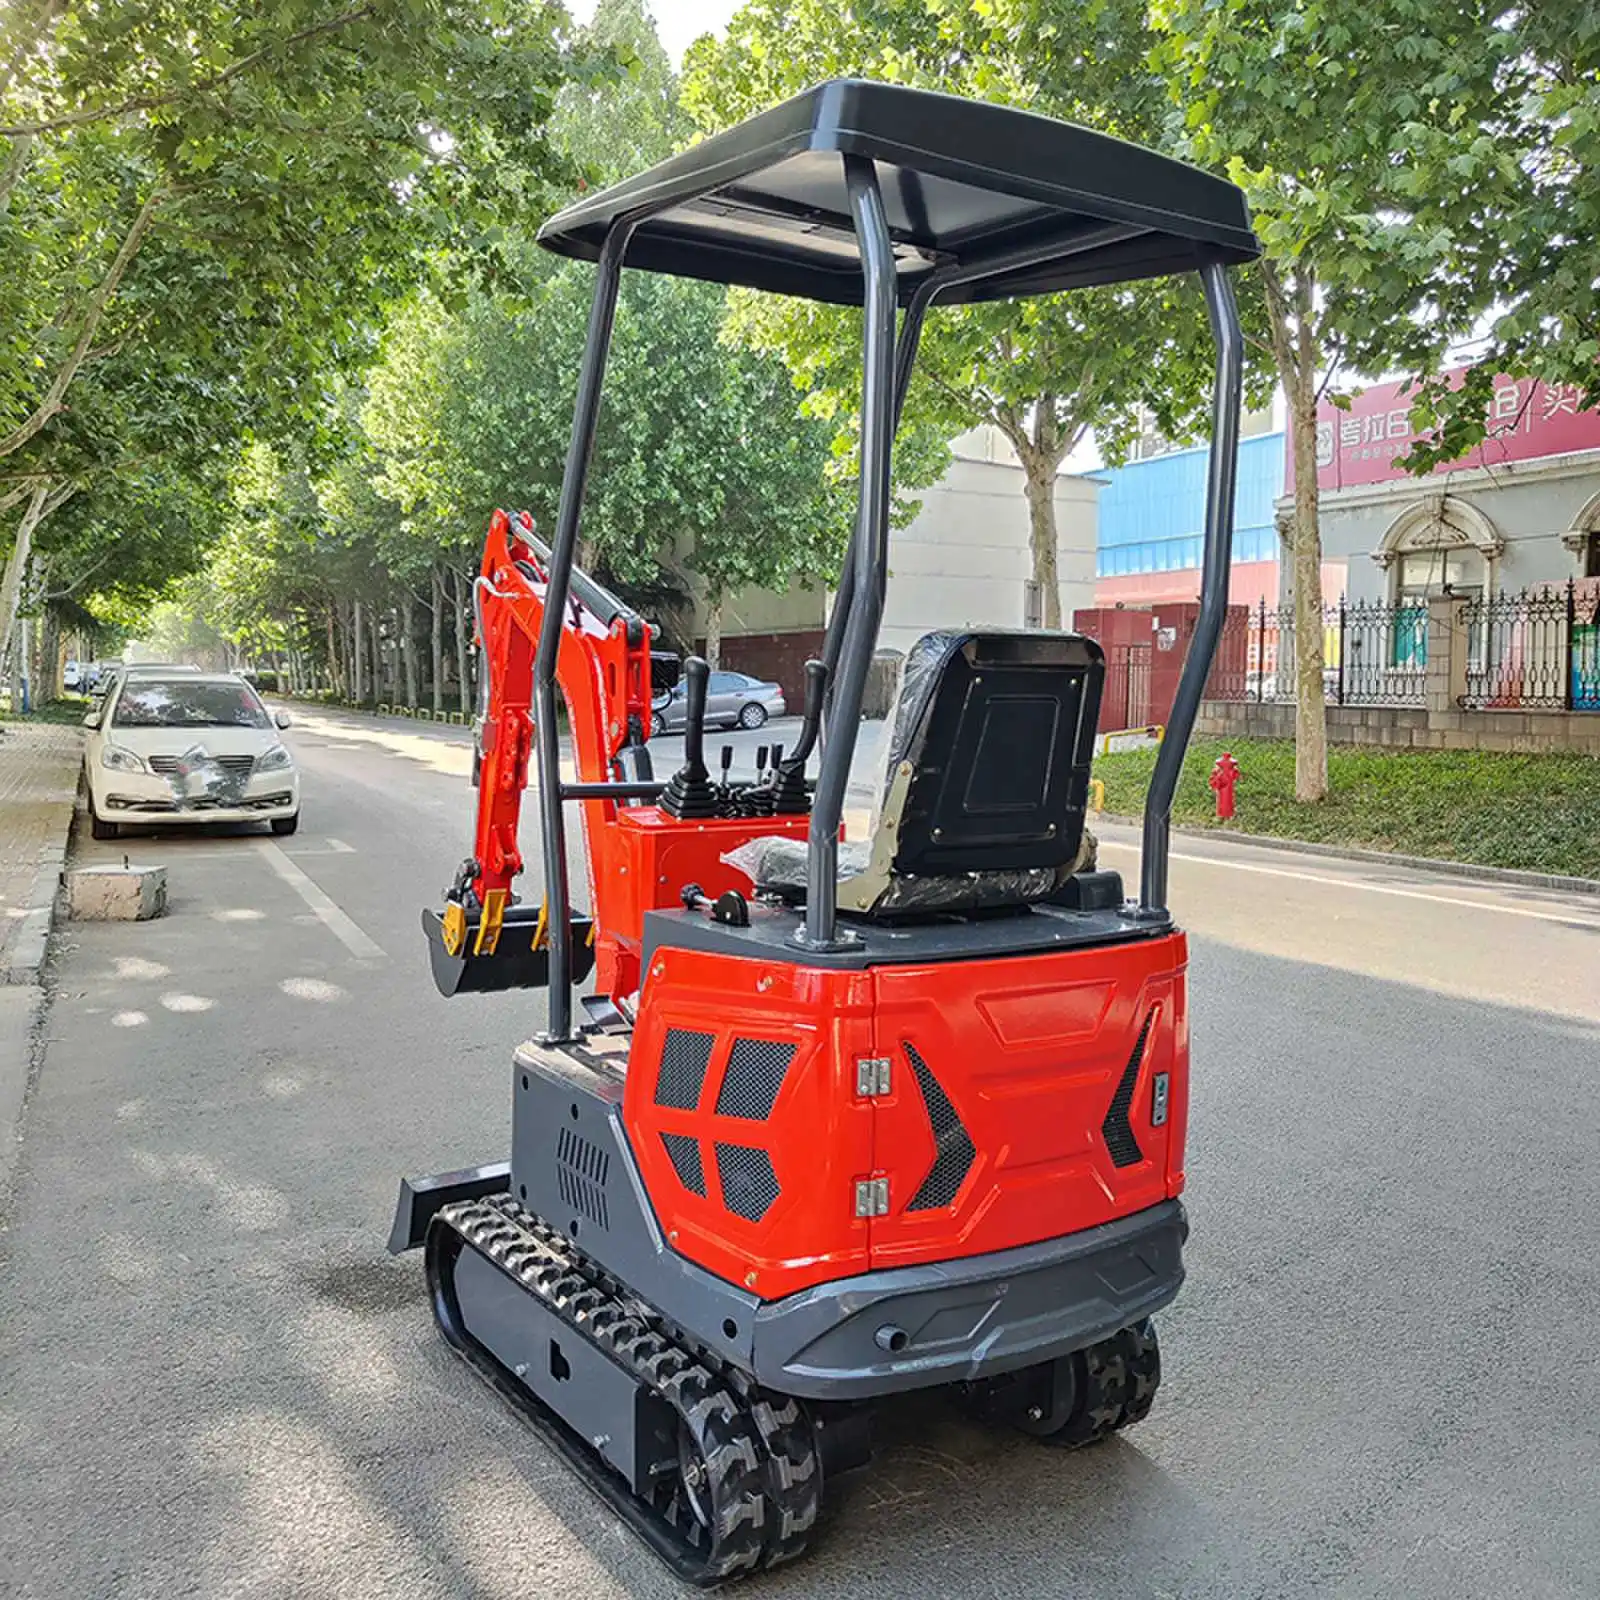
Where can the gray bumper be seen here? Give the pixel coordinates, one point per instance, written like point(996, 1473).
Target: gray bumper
point(914, 1327)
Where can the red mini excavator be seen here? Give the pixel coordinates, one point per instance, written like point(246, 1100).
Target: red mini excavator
point(836, 1120)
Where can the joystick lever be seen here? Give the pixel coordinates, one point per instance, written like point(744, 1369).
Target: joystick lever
point(689, 794)
point(790, 796)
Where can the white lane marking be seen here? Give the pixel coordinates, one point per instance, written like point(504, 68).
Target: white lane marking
point(337, 922)
point(339, 848)
point(1570, 920)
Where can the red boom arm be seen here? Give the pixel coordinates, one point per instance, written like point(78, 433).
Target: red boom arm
point(640, 857)
point(603, 672)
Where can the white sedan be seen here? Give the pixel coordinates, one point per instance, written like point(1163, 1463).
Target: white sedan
point(189, 747)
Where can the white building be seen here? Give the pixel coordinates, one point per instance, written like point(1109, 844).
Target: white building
point(964, 561)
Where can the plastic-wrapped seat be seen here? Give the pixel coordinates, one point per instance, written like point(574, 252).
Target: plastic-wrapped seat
point(985, 785)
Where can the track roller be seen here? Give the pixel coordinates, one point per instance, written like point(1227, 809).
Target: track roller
point(1080, 1398)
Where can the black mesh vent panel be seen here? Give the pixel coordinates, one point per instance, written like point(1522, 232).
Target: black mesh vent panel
point(684, 1154)
point(1116, 1129)
point(581, 1171)
point(956, 1152)
point(684, 1059)
point(749, 1185)
point(756, 1069)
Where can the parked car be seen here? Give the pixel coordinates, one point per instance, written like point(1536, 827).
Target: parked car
point(72, 676)
point(733, 700)
point(184, 746)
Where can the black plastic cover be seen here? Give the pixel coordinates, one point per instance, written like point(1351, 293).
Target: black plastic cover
point(963, 182)
point(999, 731)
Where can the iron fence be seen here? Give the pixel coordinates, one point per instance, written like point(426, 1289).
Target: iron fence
point(1375, 653)
point(1537, 650)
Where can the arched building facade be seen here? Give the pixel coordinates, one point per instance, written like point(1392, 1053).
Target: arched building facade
point(1520, 512)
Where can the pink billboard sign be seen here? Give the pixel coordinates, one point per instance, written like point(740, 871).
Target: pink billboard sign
point(1527, 419)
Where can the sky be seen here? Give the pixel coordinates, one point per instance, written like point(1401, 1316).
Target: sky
point(678, 22)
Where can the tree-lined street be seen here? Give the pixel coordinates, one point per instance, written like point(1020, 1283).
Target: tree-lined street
point(277, 339)
point(217, 1383)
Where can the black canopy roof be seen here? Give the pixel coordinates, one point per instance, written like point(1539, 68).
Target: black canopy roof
point(964, 183)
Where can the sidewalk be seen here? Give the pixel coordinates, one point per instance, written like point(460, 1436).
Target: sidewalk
point(38, 788)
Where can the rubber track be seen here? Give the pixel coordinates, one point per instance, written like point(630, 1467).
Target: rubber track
point(757, 1447)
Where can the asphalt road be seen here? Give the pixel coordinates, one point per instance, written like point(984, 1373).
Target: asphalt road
point(1379, 1380)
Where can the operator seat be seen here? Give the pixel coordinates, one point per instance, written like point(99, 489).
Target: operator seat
point(985, 785)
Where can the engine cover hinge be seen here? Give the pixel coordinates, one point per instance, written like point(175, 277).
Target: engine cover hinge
point(872, 1197)
point(872, 1077)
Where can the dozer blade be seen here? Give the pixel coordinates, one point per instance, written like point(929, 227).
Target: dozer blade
point(510, 960)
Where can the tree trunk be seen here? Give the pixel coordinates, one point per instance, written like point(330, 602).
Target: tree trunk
point(392, 655)
point(437, 642)
point(335, 652)
point(49, 677)
point(463, 615)
point(1291, 312)
point(714, 633)
point(358, 663)
point(408, 652)
point(19, 663)
point(375, 651)
point(1039, 485)
point(11, 587)
point(1310, 709)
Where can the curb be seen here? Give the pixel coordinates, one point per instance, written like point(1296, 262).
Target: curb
point(23, 1008)
point(32, 938)
point(1448, 869)
point(424, 714)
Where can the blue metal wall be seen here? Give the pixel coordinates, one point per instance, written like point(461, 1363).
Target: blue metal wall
point(1151, 512)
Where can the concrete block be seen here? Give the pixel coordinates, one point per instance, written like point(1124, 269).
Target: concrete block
point(116, 894)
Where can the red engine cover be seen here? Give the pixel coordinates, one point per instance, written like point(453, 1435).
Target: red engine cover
point(1022, 1105)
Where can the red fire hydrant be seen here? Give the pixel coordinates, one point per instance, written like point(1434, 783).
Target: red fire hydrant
point(1224, 777)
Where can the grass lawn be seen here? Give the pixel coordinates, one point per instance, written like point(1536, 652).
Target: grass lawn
point(1540, 813)
point(70, 709)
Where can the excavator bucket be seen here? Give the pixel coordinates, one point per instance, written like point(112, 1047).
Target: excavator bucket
point(482, 954)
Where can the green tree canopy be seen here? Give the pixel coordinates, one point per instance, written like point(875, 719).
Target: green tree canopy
point(205, 207)
point(1043, 371)
point(708, 471)
point(1522, 221)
